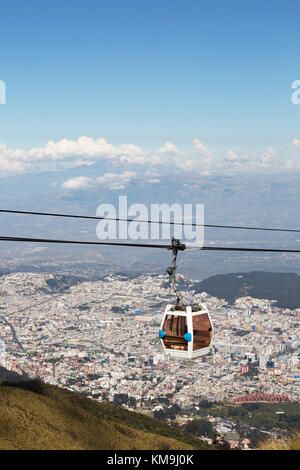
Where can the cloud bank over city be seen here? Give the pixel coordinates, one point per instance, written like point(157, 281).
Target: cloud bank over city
point(128, 160)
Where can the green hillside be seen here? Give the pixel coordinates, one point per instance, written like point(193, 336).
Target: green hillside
point(34, 415)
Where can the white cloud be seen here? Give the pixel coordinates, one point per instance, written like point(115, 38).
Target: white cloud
point(201, 148)
point(267, 158)
point(230, 156)
point(109, 180)
point(84, 147)
point(292, 165)
point(129, 149)
point(82, 163)
point(238, 162)
point(154, 181)
point(9, 166)
point(188, 165)
point(116, 180)
point(158, 160)
point(80, 182)
point(252, 163)
point(169, 149)
point(133, 159)
point(67, 153)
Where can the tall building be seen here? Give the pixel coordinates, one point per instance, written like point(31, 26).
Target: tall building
point(263, 359)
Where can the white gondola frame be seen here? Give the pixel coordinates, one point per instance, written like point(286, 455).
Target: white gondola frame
point(190, 353)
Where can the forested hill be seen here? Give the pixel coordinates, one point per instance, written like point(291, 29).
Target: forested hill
point(283, 287)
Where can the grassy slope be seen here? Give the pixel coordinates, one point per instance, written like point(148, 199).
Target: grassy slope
point(56, 418)
point(289, 444)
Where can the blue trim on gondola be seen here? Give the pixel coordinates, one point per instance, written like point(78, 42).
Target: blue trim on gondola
point(188, 337)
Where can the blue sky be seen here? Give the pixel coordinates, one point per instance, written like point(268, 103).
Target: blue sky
point(149, 72)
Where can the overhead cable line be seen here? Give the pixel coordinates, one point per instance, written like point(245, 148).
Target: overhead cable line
point(148, 221)
point(181, 246)
point(80, 242)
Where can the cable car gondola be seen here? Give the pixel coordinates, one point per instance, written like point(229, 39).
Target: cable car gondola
point(186, 331)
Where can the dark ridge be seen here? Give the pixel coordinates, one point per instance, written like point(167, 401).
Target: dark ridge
point(62, 283)
point(10, 376)
point(282, 287)
point(33, 385)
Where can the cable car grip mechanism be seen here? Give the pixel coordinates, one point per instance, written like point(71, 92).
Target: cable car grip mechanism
point(176, 246)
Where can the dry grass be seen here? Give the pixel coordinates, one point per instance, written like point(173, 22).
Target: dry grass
point(55, 418)
point(282, 444)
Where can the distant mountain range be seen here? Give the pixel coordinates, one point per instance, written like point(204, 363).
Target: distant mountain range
point(37, 416)
point(282, 287)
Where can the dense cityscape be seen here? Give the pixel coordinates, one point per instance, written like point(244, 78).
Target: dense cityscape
point(100, 338)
